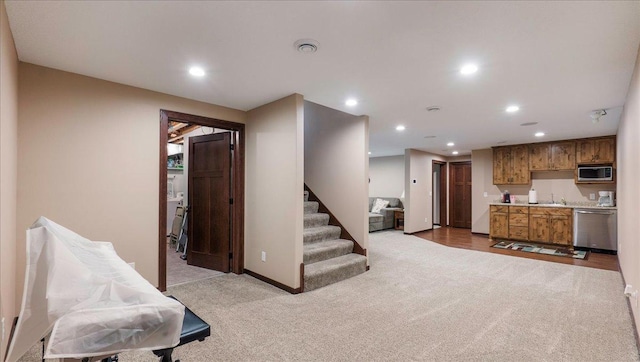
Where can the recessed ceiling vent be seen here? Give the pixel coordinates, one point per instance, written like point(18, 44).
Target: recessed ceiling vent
point(529, 124)
point(433, 109)
point(306, 45)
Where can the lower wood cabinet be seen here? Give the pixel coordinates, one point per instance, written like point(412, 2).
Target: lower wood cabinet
point(552, 225)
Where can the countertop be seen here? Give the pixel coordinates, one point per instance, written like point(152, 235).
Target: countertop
point(573, 205)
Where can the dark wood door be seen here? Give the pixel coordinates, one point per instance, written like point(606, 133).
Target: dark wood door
point(460, 194)
point(209, 201)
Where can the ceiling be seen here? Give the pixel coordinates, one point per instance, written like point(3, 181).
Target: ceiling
point(558, 61)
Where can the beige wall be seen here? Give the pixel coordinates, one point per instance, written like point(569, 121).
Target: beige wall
point(274, 190)
point(8, 175)
point(418, 205)
point(337, 165)
point(559, 183)
point(89, 159)
point(387, 176)
point(628, 191)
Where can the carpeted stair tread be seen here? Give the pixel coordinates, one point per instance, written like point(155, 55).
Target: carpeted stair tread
point(311, 207)
point(333, 270)
point(324, 250)
point(306, 195)
point(320, 233)
point(315, 220)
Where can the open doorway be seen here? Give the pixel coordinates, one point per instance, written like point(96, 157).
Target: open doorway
point(439, 193)
point(201, 186)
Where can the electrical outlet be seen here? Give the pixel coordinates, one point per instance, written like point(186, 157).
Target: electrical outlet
point(485, 194)
point(2, 322)
point(426, 219)
point(592, 196)
point(264, 256)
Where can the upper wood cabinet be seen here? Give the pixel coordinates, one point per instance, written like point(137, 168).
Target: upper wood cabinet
point(511, 165)
point(556, 156)
point(596, 151)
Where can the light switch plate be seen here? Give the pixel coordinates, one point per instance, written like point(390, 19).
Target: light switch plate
point(592, 196)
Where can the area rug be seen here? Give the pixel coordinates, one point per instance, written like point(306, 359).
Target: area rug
point(542, 249)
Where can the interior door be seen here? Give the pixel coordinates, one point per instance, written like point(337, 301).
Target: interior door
point(460, 195)
point(209, 215)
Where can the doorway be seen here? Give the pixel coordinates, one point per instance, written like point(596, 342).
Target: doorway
point(460, 194)
point(439, 193)
point(234, 223)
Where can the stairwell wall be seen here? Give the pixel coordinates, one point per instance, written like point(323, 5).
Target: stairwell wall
point(418, 210)
point(274, 190)
point(337, 165)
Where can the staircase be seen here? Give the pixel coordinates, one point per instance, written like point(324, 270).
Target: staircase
point(327, 258)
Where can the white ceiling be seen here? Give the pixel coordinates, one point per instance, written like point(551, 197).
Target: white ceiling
point(557, 60)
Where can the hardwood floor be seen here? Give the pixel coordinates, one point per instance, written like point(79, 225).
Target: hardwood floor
point(464, 239)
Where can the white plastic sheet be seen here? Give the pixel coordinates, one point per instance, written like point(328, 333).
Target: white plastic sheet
point(88, 300)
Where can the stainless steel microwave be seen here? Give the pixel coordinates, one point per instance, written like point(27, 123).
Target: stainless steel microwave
point(595, 173)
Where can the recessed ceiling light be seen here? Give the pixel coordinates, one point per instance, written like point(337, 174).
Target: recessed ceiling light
point(196, 71)
point(450, 144)
point(400, 128)
point(306, 45)
point(351, 102)
point(369, 152)
point(454, 152)
point(468, 69)
point(512, 109)
point(539, 134)
point(529, 124)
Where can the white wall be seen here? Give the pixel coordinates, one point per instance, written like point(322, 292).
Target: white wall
point(628, 162)
point(387, 176)
point(559, 183)
point(337, 165)
point(8, 175)
point(89, 159)
point(418, 199)
point(274, 190)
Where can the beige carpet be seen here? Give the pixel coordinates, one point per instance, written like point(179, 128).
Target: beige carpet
point(419, 301)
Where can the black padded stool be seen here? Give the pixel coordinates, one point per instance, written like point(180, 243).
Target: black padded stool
point(193, 328)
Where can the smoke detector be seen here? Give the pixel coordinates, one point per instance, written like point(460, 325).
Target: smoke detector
point(306, 45)
point(595, 115)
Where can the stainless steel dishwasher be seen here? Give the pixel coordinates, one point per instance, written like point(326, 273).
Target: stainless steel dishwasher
point(595, 229)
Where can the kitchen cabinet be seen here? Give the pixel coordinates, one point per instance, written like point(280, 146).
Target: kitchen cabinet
point(555, 156)
point(499, 221)
point(551, 225)
point(596, 151)
point(511, 165)
point(519, 222)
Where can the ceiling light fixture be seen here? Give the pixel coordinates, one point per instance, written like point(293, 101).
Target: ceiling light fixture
point(512, 109)
point(369, 152)
point(306, 45)
point(400, 128)
point(454, 152)
point(468, 69)
point(351, 102)
point(595, 115)
point(196, 72)
point(539, 134)
point(450, 144)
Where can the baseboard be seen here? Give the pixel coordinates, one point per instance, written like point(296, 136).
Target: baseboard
point(480, 234)
point(633, 320)
point(419, 231)
point(276, 284)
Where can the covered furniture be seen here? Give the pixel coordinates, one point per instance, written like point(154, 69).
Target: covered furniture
point(383, 219)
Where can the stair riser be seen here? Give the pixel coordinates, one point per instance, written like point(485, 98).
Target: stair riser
point(312, 282)
point(320, 255)
point(308, 238)
point(315, 220)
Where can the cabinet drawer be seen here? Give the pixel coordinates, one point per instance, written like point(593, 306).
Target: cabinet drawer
point(518, 220)
point(518, 232)
point(519, 210)
point(499, 208)
point(565, 211)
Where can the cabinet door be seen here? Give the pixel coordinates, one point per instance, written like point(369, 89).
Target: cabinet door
point(539, 157)
point(561, 229)
point(539, 227)
point(499, 223)
point(584, 151)
point(604, 150)
point(563, 156)
point(520, 174)
point(501, 163)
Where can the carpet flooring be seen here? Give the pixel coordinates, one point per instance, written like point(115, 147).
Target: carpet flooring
point(419, 301)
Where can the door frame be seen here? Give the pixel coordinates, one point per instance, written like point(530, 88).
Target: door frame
point(443, 192)
point(237, 190)
point(451, 188)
